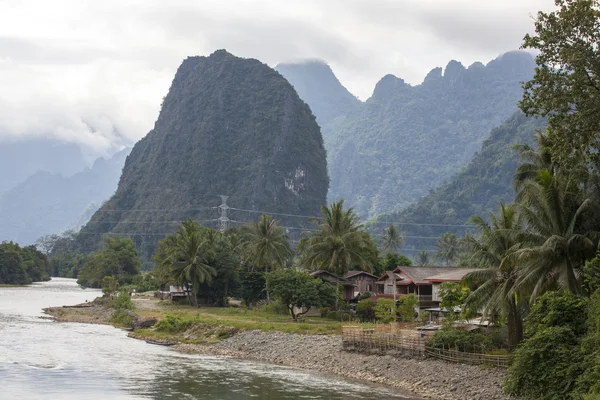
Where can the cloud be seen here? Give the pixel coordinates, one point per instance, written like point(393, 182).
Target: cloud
point(95, 72)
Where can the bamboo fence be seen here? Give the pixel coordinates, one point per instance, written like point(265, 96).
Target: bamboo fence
point(371, 340)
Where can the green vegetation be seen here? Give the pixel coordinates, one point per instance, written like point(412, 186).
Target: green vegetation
point(254, 140)
point(298, 291)
point(22, 265)
point(385, 310)
point(462, 340)
point(118, 258)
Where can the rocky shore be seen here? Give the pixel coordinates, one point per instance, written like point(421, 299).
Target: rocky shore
point(426, 378)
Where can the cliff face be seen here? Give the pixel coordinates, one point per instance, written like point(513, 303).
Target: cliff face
point(228, 126)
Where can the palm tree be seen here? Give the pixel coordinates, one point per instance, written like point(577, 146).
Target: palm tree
point(265, 244)
point(491, 247)
point(392, 239)
point(423, 258)
point(338, 243)
point(187, 256)
point(448, 248)
point(559, 212)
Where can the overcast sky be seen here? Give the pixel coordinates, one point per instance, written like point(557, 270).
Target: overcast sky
point(82, 70)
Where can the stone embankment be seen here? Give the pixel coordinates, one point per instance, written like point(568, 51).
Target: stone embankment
point(425, 377)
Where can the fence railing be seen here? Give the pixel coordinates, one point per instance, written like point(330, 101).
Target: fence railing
point(369, 340)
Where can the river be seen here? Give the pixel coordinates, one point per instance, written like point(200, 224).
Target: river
point(42, 359)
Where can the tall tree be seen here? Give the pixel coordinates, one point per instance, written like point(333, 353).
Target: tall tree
point(265, 244)
point(566, 84)
point(338, 243)
point(495, 283)
point(448, 248)
point(187, 257)
point(423, 258)
point(392, 240)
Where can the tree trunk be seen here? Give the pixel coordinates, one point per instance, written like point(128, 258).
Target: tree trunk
point(515, 324)
point(571, 278)
point(267, 290)
point(337, 293)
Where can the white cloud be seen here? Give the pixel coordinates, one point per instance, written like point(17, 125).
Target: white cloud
point(95, 72)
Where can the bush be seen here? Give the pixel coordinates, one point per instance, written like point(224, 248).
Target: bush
point(385, 310)
point(123, 301)
point(425, 315)
point(365, 310)
point(122, 317)
point(545, 366)
point(407, 307)
point(334, 315)
point(109, 285)
point(275, 307)
point(173, 324)
point(363, 296)
point(461, 340)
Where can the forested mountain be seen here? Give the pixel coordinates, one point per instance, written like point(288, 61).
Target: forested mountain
point(228, 126)
point(473, 191)
point(317, 85)
point(20, 159)
point(406, 140)
point(47, 203)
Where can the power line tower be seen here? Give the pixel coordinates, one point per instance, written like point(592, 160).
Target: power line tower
point(223, 219)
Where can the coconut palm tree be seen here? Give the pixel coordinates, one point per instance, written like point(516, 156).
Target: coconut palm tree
point(491, 247)
point(265, 245)
point(392, 240)
point(338, 243)
point(559, 212)
point(448, 247)
point(423, 258)
point(187, 255)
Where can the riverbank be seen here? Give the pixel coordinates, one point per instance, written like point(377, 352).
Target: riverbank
point(426, 378)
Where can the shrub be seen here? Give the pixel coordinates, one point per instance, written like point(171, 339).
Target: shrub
point(363, 296)
point(425, 315)
point(460, 339)
point(365, 310)
point(122, 317)
point(407, 307)
point(275, 307)
point(123, 301)
point(173, 324)
point(385, 310)
point(109, 285)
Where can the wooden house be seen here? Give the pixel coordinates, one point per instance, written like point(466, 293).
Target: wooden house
point(363, 282)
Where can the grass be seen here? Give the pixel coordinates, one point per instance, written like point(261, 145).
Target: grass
point(243, 319)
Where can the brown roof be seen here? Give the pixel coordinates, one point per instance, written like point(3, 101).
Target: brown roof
point(421, 275)
point(331, 278)
point(350, 274)
point(452, 276)
point(391, 274)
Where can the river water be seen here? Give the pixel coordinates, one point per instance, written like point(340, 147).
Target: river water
point(42, 359)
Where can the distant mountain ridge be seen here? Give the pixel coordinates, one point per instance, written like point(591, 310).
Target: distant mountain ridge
point(47, 203)
point(228, 126)
point(406, 140)
point(475, 190)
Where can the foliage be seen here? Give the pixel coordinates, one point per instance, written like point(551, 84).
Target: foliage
point(385, 310)
point(109, 285)
point(453, 295)
point(566, 84)
point(22, 265)
point(365, 310)
point(491, 248)
point(479, 187)
point(123, 301)
point(425, 316)
point(122, 317)
point(557, 309)
point(173, 323)
point(461, 340)
point(299, 290)
point(252, 285)
point(448, 248)
point(118, 258)
point(423, 258)
point(338, 243)
point(265, 245)
point(392, 240)
point(255, 140)
point(390, 262)
point(394, 137)
point(407, 307)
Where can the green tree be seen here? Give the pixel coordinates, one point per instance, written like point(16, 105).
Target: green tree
point(495, 284)
point(252, 285)
point(385, 310)
point(109, 285)
point(566, 84)
point(392, 240)
point(448, 248)
point(338, 243)
point(297, 290)
point(390, 262)
point(407, 307)
point(265, 244)
point(423, 258)
point(188, 255)
point(118, 258)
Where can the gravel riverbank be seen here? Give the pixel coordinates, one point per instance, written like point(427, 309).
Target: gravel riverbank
point(425, 377)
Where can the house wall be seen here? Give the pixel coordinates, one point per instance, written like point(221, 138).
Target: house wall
point(363, 284)
point(435, 288)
